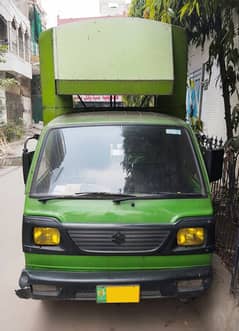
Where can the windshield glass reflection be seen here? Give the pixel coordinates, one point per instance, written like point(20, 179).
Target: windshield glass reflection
point(130, 159)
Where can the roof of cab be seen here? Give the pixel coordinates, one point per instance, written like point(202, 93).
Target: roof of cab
point(115, 117)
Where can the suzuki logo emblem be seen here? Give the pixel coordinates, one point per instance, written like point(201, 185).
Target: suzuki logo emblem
point(118, 238)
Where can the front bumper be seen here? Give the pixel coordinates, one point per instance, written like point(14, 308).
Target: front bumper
point(39, 284)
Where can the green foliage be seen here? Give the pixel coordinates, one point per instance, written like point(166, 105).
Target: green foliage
point(6, 82)
point(12, 131)
point(3, 50)
point(204, 20)
point(197, 125)
point(136, 8)
point(138, 101)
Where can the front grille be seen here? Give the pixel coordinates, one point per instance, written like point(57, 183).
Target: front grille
point(119, 239)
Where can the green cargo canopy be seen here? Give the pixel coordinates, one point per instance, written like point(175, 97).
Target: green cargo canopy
point(112, 56)
point(124, 54)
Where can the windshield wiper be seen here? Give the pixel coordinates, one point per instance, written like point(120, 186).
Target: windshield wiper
point(100, 194)
point(161, 195)
point(119, 197)
point(85, 195)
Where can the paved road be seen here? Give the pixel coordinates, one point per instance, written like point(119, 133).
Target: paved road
point(28, 315)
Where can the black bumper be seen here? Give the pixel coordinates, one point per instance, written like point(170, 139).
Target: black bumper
point(82, 285)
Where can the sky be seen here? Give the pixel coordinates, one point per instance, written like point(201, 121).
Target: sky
point(69, 8)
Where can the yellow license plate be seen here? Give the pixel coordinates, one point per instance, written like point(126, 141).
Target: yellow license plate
point(118, 294)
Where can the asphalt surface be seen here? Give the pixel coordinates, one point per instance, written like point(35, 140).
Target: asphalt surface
point(17, 314)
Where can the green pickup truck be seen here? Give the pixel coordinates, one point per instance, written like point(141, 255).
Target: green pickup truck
point(118, 205)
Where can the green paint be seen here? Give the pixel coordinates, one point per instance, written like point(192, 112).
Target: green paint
point(110, 87)
point(118, 56)
point(104, 211)
point(53, 105)
point(201, 162)
point(175, 105)
point(114, 49)
point(135, 117)
point(104, 263)
point(114, 56)
point(101, 294)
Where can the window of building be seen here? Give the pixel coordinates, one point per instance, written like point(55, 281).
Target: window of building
point(3, 32)
point(27, 47)
point(14, 37)
point(21, 42)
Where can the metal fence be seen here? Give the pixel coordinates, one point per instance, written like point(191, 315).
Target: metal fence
point(225, 194)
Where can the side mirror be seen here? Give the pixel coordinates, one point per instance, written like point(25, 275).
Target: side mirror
point(214, 163)
point(27, 158)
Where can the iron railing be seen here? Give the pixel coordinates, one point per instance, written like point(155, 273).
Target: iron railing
point(225, 194)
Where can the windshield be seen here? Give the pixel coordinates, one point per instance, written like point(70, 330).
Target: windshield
point(126, 159)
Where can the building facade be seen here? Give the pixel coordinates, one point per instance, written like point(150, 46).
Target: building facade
point(15, 101)
point(16, 37)
point(37, 17)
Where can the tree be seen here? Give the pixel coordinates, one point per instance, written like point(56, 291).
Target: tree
point(203, 20)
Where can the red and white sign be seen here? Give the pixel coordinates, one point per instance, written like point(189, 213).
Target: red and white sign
point(97, 98)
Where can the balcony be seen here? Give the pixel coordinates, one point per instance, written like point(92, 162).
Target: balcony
point(17, 43)
point(16, 65)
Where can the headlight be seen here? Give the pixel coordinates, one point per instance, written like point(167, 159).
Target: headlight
point(46, 236)
point(191, 237)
